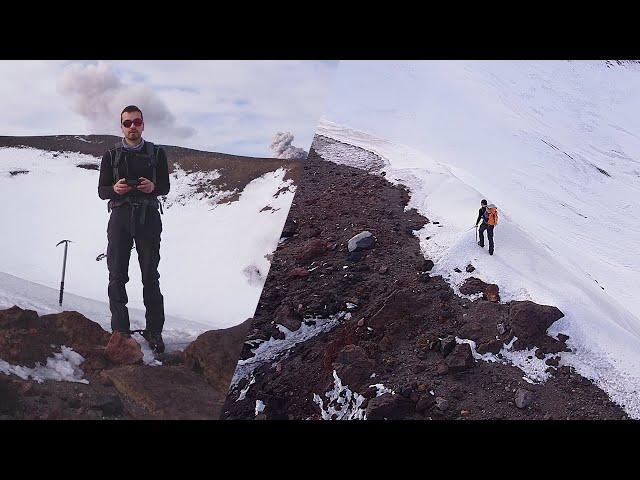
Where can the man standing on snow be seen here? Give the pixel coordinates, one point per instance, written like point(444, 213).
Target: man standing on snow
point(489, 217)
point(132, 175)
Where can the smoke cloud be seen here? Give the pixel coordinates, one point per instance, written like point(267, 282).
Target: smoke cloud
point(99, 95)
point(282, 147)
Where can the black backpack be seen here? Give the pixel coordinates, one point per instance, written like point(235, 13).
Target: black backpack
point(151, 151)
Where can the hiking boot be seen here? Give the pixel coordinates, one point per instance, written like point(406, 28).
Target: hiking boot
point(481, 244)
point(154, 339)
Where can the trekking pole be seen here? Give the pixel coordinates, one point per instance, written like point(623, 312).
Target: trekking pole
point(64, 266)
point(476, 233)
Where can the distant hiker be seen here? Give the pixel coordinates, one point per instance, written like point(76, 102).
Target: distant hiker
point(132, 175)
point(489, 217)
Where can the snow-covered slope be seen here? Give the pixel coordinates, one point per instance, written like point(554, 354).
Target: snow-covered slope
point(556, 146)
point(213, 253)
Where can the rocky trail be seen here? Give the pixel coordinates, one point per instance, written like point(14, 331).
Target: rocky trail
point(64, 366)
point(367, 332)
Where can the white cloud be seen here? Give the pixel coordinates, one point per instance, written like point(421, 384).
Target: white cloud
point(99, 95)
point(233, 106)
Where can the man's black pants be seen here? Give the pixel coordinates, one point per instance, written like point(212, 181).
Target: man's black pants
point(489, 229)
point(121, 234)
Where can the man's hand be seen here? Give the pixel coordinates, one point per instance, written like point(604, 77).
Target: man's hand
point(121, 187)
point(146, 185)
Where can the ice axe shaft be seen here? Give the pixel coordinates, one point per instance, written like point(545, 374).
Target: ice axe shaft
point(64, 267)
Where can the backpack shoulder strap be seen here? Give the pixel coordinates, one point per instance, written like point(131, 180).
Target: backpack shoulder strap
point(152, 151)
point(115, 161)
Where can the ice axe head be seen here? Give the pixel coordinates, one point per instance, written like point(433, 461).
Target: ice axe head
point(62, 241)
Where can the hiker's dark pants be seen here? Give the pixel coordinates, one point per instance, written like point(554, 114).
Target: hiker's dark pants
point(489, 229)
point(121, 235)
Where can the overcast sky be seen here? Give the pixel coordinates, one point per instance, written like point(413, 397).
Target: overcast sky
point(226, 106)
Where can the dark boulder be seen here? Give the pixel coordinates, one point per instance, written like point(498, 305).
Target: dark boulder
point(16, 317)
point(427, 265)
point(76, 331)
point(215, 354)
point(472, 285)
point(530, 321)
point(389, 407)
point(461, 358)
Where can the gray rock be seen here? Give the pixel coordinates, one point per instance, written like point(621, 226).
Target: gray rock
point(523, 398)
point(441, 404)
point(361, 241)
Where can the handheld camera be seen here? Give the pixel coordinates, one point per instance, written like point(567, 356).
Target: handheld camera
point(133, 182)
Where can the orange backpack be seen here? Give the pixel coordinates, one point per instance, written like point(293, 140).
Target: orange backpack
point(492, 216)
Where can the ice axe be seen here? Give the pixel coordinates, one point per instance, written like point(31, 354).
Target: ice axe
point(64, 266)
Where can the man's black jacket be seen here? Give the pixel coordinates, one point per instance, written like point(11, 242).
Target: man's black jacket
point(138, 166)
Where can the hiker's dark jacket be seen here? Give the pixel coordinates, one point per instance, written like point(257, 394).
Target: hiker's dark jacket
point(481, 215)
point(138, 166)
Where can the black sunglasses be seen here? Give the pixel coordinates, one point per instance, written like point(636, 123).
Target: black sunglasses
point(136, 121)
